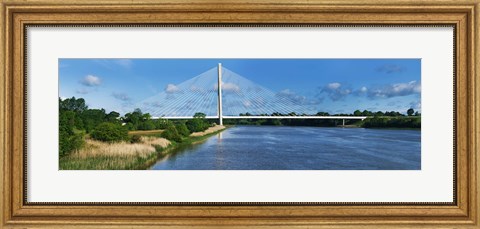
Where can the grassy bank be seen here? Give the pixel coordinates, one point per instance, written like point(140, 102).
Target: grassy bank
point(199, 137)
point(145, 132)
point(96, 155)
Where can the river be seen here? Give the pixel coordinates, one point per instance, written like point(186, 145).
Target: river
point(299, 148)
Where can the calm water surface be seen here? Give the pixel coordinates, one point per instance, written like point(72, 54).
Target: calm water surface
point(299, 148)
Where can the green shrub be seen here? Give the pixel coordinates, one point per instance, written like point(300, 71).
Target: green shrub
point(172, 134)
point(197, 125)
point(68, 139)
point(146, 125)
point(161, 124)
point(182, 129)
point(130, 126)
point(135, 139)
point(69, 143)
point(392, 122)
point(109, 132)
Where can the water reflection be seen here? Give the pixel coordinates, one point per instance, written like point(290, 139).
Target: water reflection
point(299, 148)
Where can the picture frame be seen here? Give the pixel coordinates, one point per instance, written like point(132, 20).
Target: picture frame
point(17, 212)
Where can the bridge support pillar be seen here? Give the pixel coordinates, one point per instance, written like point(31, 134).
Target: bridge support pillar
point(343, 122)
point(219, 89)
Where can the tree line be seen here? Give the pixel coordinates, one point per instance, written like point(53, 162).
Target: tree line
point(376, 119)
point(410, 112)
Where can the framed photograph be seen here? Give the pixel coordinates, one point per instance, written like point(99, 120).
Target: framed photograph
point(235, 114)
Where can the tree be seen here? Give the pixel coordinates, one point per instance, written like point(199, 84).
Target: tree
point(161, 123)
point(68, 139)
point(199, 115)
point(146, 117)
point(196, 125)
point(138, 111)
point(357, 113)
point(146, 125)
point(69, 112)
point(68, 117)
point(112, 116)
point(410, 112)
point(129, 126)
point(393, 113)
point(109, 132)
point(182, 129)
point(323, 113)
point(367, 113)
point(172, 134)
point(72, 104)
point(379, 113)
point(92, 118)
point(134, 118)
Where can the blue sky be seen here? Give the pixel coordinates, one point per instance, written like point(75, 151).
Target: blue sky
point(331, 85)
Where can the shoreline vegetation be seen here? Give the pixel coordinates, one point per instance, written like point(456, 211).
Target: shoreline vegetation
point(91, 139)
point(398, 122)
point(97, 155)
point(380, 121)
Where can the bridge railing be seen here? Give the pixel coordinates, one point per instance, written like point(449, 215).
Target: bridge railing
point(273, 117)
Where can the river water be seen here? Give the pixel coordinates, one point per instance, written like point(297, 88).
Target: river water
point(299, 148)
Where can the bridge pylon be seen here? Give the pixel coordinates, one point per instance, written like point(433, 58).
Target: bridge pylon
point(219, 89)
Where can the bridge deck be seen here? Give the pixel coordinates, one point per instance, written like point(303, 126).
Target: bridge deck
point(272, 117)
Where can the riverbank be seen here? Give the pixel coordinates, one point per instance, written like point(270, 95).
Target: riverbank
point(96, 155)
point(210, 130)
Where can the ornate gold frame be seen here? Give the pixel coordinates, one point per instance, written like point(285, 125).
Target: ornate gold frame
point(17, 14)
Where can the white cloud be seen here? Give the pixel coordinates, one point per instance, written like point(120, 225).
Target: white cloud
point(91, 81)
point(287, 95)
point(285, 92)
point(121, 96)
point(334, 86)
point(82, 91)
point(171, 88)
point(230, 87)
point(398, 89)
point(335, 91)
point(360, 92)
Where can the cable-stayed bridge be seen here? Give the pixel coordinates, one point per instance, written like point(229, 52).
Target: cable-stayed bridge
point(222, 94)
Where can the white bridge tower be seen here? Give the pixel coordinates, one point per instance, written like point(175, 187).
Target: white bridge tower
point(219, 88)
